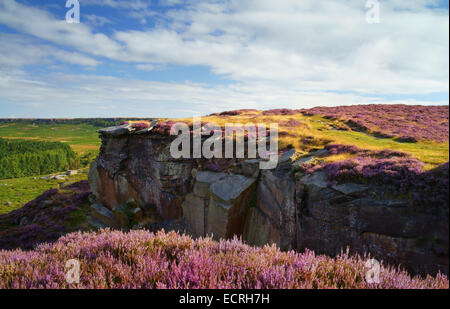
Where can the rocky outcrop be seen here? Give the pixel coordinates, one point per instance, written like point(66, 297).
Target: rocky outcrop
point(366, 220)
point(136, 183)
point(137, 173)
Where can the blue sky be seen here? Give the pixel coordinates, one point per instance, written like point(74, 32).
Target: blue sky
point(173, 58)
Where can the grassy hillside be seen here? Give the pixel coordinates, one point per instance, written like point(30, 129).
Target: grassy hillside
point(422, 133)
point(305, 130)
point(381, 127)
point(52, 214)
point(14, 193)
point(81, 137)
point(79, 133)
point(356, 141)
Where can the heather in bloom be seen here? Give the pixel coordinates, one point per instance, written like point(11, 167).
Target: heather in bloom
point(292, 123)
point(407, 123)
point(163, 127)
point(141, 125)
point(235, 112)
point(335, 149)
point(280, 111)
point(44, 219)
point(402, 174)
point(140, 259)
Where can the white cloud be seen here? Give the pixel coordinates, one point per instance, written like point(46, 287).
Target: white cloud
point(121, 4)
point(17, 50)
point(171, 2)
point(96, 21)
point(59, 95)
point(43, 25)
point(319, 44)
point(137, 9)
point(286, 53)
point(149, 67)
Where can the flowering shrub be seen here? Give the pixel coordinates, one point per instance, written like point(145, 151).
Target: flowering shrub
point(140, 259)
point(335, 149)
point(140, 125)
point(280, 111)
point(46, 218)
point(284, 133)
point(137, 125)
point(235, 112)
point(292, 123)
point(163, 127)
point(403, 175)
point(409, 123)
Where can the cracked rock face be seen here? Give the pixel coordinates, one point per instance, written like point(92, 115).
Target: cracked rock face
point(137, 171)
point(273, 219)
point(137, 183)
point(367, 220)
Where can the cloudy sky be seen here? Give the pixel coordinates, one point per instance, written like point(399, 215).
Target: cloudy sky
point(173, 58)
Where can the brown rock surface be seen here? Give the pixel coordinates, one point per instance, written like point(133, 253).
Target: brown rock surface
point(136, 179)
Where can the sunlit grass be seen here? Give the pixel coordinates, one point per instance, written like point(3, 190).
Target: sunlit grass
point(321, 131)
point(19, 191)
point(81, 137)
point(314, 132)
point(431, 153)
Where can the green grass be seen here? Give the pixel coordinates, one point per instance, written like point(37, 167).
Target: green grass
point(82, 138)
point(322, 132)
point(431, 153)
point(19, 191)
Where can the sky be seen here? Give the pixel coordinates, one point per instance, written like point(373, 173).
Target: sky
point(176, 58)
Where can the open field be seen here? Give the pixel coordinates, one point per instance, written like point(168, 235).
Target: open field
point(81, 137)
point(14, 193)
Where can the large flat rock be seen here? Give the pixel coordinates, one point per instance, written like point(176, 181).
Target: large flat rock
point(117, 130)
point(229, 188)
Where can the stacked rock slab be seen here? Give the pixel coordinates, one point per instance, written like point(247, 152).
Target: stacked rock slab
point(137, 183)
point(135, 177)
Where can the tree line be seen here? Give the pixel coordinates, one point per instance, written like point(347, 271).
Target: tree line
point(21, 158)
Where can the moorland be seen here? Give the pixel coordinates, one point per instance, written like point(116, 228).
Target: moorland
point(394, 144)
